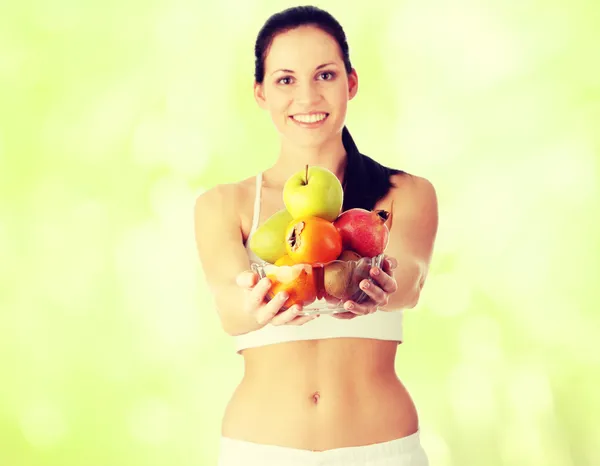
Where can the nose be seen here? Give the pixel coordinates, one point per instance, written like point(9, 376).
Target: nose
point(307, 94)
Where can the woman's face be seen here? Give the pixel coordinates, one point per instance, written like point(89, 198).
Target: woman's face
point(306, 88)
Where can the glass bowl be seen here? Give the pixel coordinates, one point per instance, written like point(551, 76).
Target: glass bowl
point(319, 288)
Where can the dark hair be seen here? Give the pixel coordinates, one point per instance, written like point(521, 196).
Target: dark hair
point(365, 180)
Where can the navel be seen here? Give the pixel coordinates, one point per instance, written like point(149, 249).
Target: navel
point(315, 397)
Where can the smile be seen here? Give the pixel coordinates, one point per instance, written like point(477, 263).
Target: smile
point(311, 119)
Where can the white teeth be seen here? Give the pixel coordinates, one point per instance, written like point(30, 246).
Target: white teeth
point(310, 118)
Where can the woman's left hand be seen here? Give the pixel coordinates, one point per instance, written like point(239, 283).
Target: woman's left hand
point(379, 291)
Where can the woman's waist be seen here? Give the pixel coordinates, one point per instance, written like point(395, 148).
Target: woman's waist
point(291, 385)
point(306, 416)
point(330, 362)
point(327, 391)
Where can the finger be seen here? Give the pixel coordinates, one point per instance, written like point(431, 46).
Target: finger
point(257, 295)
point(355, 308)
point(383, 280)
point(373, 291)
point(301, 320)
point(291, 316)
point(285, 315)
point(246, 279)
point(267, 312)
point(389, 264)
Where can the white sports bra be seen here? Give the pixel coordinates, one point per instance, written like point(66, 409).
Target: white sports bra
point(380, 325)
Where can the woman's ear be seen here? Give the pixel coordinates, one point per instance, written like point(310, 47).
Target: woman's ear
point(259, 95)
point(352, 84)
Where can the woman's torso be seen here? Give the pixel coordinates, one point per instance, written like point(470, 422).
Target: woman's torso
point(317, 394)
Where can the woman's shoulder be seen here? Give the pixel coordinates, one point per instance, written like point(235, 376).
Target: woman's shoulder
point(232, 192)
point(407, 183)
point(411, 191)
point(402, 179)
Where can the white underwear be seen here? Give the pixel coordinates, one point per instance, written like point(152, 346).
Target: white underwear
point(405, 451)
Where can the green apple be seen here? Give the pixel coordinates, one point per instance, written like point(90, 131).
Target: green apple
point(314, 192)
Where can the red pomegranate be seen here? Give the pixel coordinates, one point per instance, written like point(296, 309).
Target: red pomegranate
point(364, 231)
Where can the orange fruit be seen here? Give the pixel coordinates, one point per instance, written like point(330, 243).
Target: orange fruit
point(297, 280)
point(312, 240)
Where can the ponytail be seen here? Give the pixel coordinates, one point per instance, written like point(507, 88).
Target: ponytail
point(365, 181)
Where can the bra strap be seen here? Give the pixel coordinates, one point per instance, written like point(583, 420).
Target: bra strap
point(257, 197)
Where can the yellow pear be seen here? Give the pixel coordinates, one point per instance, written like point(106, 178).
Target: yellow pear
point(268, 241)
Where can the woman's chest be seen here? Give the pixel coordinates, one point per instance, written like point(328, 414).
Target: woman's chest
point(257, 210)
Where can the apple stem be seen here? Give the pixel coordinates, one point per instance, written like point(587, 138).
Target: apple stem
point(306, 175)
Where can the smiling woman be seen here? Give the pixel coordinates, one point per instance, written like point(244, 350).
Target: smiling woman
point(316, 389)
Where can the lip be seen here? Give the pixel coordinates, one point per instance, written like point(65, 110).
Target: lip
point(309, 113)
point(312, 112)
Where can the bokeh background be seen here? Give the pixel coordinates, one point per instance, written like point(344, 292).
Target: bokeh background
point(114, 116)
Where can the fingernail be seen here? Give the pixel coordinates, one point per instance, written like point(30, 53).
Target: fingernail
point(375, 271)
point(364, 285)
point(283, 296)
point(350, 306)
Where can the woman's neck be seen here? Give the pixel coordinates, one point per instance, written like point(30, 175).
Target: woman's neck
point(292, 159)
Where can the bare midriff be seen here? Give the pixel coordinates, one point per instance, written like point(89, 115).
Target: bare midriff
point(320, 394)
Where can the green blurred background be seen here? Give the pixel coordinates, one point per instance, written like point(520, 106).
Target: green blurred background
point(114, 116)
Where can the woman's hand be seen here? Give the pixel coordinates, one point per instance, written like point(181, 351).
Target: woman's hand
point(268, 312)
point(378, 292)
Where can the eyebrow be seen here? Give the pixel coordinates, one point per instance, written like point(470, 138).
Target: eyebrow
point(291, 71)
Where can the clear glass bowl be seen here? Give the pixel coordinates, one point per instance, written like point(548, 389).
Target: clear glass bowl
point(319, 288)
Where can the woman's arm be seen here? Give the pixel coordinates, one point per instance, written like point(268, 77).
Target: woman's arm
point(223, 257)
point(414, 225)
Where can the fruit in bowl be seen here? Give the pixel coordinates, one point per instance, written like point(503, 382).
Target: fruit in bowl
point(298, 280)
point(314, 192)
point(342, 277)
point(312, 240)
point(315, 252)
point(339, 276)
point(267, 242)
point(364, 231)
point(320, 288)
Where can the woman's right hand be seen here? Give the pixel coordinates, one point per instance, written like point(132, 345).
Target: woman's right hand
point(264, 312)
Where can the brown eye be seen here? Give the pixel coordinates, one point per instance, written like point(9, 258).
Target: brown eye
point(327, 75)
point(286, 80)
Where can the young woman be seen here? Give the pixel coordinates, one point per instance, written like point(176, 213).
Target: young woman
point(316, 389)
